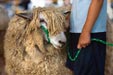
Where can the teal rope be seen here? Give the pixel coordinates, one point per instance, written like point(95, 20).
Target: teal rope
point(79, 50)
point(75, 57)
point(101, 41)
point(46, 32)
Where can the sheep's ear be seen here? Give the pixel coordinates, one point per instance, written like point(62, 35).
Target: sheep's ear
point(65, 9)
point(66, 12)
point(28, 16)
point(67, 17)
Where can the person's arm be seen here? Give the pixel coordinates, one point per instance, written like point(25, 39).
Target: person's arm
point(93, 14)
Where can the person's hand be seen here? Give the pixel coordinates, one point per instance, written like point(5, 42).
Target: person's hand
point(84, 40)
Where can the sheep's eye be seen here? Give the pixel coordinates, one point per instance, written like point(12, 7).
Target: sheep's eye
point(43, 23)
point(42, 20)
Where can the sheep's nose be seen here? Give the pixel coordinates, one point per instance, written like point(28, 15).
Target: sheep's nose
point(62, 43)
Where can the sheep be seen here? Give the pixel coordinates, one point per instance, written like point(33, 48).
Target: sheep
point(27, 51)
point(109, 50)
point(4, 19)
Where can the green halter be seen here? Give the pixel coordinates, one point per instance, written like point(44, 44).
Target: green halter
point(46, 32)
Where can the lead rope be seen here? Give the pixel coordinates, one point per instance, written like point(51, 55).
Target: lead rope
point(79, 50)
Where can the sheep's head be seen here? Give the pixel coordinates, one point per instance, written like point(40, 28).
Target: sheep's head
point(53, 24)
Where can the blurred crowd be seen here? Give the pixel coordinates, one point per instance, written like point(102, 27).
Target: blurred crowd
point(17, 6)
point(110, 9)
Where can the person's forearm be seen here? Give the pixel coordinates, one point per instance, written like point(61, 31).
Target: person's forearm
point(93, 14)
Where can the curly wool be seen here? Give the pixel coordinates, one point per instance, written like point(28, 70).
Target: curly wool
point(24, 42)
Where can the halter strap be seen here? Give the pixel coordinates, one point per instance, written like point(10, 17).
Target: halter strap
point(46, 32)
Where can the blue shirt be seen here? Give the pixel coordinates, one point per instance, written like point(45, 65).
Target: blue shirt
point(79, 14)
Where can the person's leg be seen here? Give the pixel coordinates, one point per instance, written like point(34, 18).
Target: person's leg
point(91, 60)
point(82, 64)
point(85, 64)
point(99, 53)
